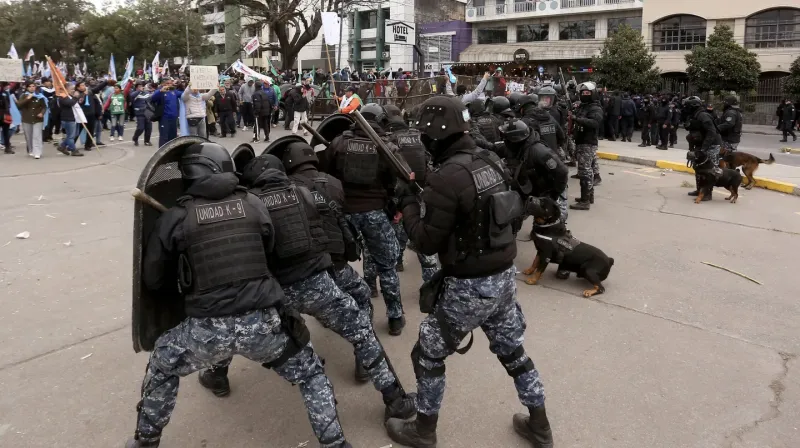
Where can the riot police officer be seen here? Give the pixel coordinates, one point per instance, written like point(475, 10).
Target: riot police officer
point(368, 185)
point(730, 124)
point(414, 153)
point(489, 122)
point(233, 303)
point(501, 108)
point(588, 119)
point(302, 266)
point(705, 141)
point(470, 211)
point(539, 119)
point(476, 111)
point(536, 168)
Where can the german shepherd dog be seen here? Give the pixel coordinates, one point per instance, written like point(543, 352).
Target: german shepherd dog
point(748, 162)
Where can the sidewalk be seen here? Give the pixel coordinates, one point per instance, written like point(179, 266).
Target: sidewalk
point(782, 178)
point(760, 129)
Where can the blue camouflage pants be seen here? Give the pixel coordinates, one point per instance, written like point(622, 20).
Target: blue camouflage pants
point(348, 280)
point(429, 263)
point(588, 165)
point(381, 250)
point(563, 204)
point(197, 343)
point(466, 304)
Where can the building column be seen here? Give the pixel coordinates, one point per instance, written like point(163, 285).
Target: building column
point(511, 33)
point(554, 29)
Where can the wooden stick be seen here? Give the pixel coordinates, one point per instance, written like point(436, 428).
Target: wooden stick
point(89, 135)
point(141, 196)
point(732, 272)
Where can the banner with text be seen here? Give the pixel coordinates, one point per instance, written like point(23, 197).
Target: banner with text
point(10, 70)
point(204, 77)
point(252, 46)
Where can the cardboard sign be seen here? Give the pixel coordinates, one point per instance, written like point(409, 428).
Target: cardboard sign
point(10, 70)
point(204, 77)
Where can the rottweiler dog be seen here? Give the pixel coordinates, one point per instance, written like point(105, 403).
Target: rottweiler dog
point(554, 243)
point(730, 180)
point(748, 162)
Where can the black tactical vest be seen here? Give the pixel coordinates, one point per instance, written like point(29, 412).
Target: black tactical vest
point(489, 128)
point(328, 210)
point(359, 162)
point(223, 243)
point(413, 151)
point(299, 234)
point(489, 227)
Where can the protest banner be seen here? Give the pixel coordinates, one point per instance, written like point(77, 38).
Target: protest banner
point(10, 70)
point(204, 77)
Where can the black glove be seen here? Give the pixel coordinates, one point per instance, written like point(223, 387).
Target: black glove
point(405, 195)
point(391, 208)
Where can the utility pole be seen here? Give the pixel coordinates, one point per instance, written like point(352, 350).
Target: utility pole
point(188, 4)
point(341, 27)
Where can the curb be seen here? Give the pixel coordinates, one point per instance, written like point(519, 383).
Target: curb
point(767, 184)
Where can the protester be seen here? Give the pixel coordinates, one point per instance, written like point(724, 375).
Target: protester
point(32, 106)
point(274, 99)
point(225, 107)
point(92, 109)
point(65, 105)
point(116, 109)
point(166, 100)
point(246, 92)
point(140, 100)
point(350, 102)
point(54, 118)
point(211, 118)
point(5, 113)
point(263, 108)
point(195, 104)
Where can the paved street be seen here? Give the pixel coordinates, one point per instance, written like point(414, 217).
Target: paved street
point(675, 354)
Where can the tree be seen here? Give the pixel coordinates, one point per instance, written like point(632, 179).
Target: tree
point(294, 22)
point(140, 29)
point(723, 65)
point(42, 25)
point(625, 62)
point(792, 85)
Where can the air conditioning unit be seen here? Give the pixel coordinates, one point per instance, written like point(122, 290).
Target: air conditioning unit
point(274, 58)
point(471, 12)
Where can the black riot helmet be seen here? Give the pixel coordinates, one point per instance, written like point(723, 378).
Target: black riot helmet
point(587, 91)
point(500, 104)
point(731, 100)
point(299, 153)
point(255, 167)
point(203, 159)
point(526, 102)
point(375, 112)
point(547, 97)
point(393, 111)
point(515, 131)
point(475, 108)
point(692, 104)
point(441, 117)
point(513, 100)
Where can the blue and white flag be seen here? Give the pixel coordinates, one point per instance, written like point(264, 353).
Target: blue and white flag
point(154, 67)
point(12, 53)
point(112, 68)
point(126, 78)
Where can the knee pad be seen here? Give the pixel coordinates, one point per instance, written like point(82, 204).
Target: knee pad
point(419, 370)
point(513, 358)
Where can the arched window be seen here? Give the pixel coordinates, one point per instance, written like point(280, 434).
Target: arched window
point(773, 29)
point(676, 33)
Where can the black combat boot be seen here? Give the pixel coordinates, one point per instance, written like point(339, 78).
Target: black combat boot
point(597, 180)
point(216, 380)
point(643, 145)
point(419, 433)
point(398, 403)
point(535, 428)
point(575, 176)
point(583, 202)
point(396, 325)
point(693, 193)
point(361, 375)
point(133, 442)
point(696, 188)
point(400, 267)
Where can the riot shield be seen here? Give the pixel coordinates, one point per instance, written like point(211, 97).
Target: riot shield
point(330, 128)
point(243, 154)
point(154, 312)
point(278, 147)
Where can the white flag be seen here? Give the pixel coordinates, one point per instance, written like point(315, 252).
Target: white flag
point(84, 68)
point(330, 28)
point(79, 115)
point(12, 53)
point(29, 55)
point(252, 46)
point(155, 68)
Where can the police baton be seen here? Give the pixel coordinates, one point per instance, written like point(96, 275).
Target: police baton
point(400, 168)
point(315, 134)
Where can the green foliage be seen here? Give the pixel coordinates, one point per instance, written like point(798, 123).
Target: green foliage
point(792, 85)
point(625, 63)
point(723, 64)
point(43, 25)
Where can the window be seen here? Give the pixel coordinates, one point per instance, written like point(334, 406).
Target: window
point(207, 9)
point(524, 6)
point(582, 29)
point(679, 33)
point(220, 28)
point(533, 33)
point(252, 31)
point(436, 49)
point(633, 22)
point(208, 29)
point(221, 49)
point(493, 35)
point(775, 28)
point(368, 19)
point(387, 14)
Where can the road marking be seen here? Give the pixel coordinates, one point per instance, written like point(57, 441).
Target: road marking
point(643, 175)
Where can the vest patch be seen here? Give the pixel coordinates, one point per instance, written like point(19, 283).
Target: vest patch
point(220, 211)
point(361, 147)
point(408, 140)
point(486, 178)
point(318, 197)
point(278, 199)
point(547, 129)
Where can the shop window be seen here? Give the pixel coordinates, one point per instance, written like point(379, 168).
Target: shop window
point(536, 32)
point(582, 29)
point(775, 28)
point(678, 33)
point(493, 35)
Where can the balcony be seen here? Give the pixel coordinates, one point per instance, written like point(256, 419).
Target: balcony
point(520, 9)
point(554, 50)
